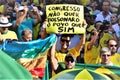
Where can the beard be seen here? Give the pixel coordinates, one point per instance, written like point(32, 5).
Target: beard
point(113, 52)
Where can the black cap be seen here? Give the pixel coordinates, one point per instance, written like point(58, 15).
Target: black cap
point(70, 57)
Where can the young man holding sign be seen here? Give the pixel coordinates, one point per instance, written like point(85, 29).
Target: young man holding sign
point(66, 19)
point(65, 42)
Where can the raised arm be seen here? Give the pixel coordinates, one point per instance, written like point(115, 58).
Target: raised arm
point(38, 18)
point(80, 45)
point(20, 18)
point(93, 39)
point(54, 61)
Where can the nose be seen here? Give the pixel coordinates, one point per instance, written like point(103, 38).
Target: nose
point(69, 62)
point(106, 56)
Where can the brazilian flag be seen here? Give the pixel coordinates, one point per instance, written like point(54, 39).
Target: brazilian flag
point(89, 72)
point(11, 70)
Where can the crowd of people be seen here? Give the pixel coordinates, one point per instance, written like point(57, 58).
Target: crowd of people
point(25, 20)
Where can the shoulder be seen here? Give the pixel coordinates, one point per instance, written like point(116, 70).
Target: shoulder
point(11, 31)
point(99, 14)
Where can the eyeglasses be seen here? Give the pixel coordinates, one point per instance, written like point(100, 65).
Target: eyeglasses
point(106, 55)
point(65, 40)
point(113, 45)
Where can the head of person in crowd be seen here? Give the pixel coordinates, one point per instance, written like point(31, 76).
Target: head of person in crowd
point(112, 45)
point(89, 16)
point(113, 19)
point(30, 12)
point(105, 27)
point(105, 54)
point(93, 5)
point(4, 24)
point(26, 35)
point(41, 11)
point(98, 24)
point(93, 33)
point(70, 61)
point(11, 3)
point(65, 41)
point(43, 34)
point(105, 7)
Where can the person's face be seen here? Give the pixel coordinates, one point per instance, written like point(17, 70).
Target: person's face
point(20, 13)
point(27, 37)
point(65, 42)
point(70, 64)
point(93, 33)
point(105, 58)
point(93, 4)
point(105, 6)
point(3, 30)
point(87, 17)
point(112, 45)
point(113, 19)
point(43, 33)
point(98, 25)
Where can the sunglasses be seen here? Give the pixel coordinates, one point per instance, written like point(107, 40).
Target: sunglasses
point(113, 45)
point(106, 55)
point(65, 40)
point(69, 60)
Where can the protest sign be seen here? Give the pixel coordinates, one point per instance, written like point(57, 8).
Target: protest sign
point(65, 19)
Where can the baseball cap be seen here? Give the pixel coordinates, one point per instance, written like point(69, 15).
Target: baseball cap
point(70, 57)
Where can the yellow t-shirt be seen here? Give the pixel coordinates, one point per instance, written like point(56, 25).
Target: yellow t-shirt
point(104, 39)
point(36, 31)
point(92, 56)
point(115, 59)
point(84, 2)
point(9, 35)
point(2, 8)
point(35, 1)
point(61, 56)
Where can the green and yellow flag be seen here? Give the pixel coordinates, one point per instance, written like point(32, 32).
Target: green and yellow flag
point(11, 70)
